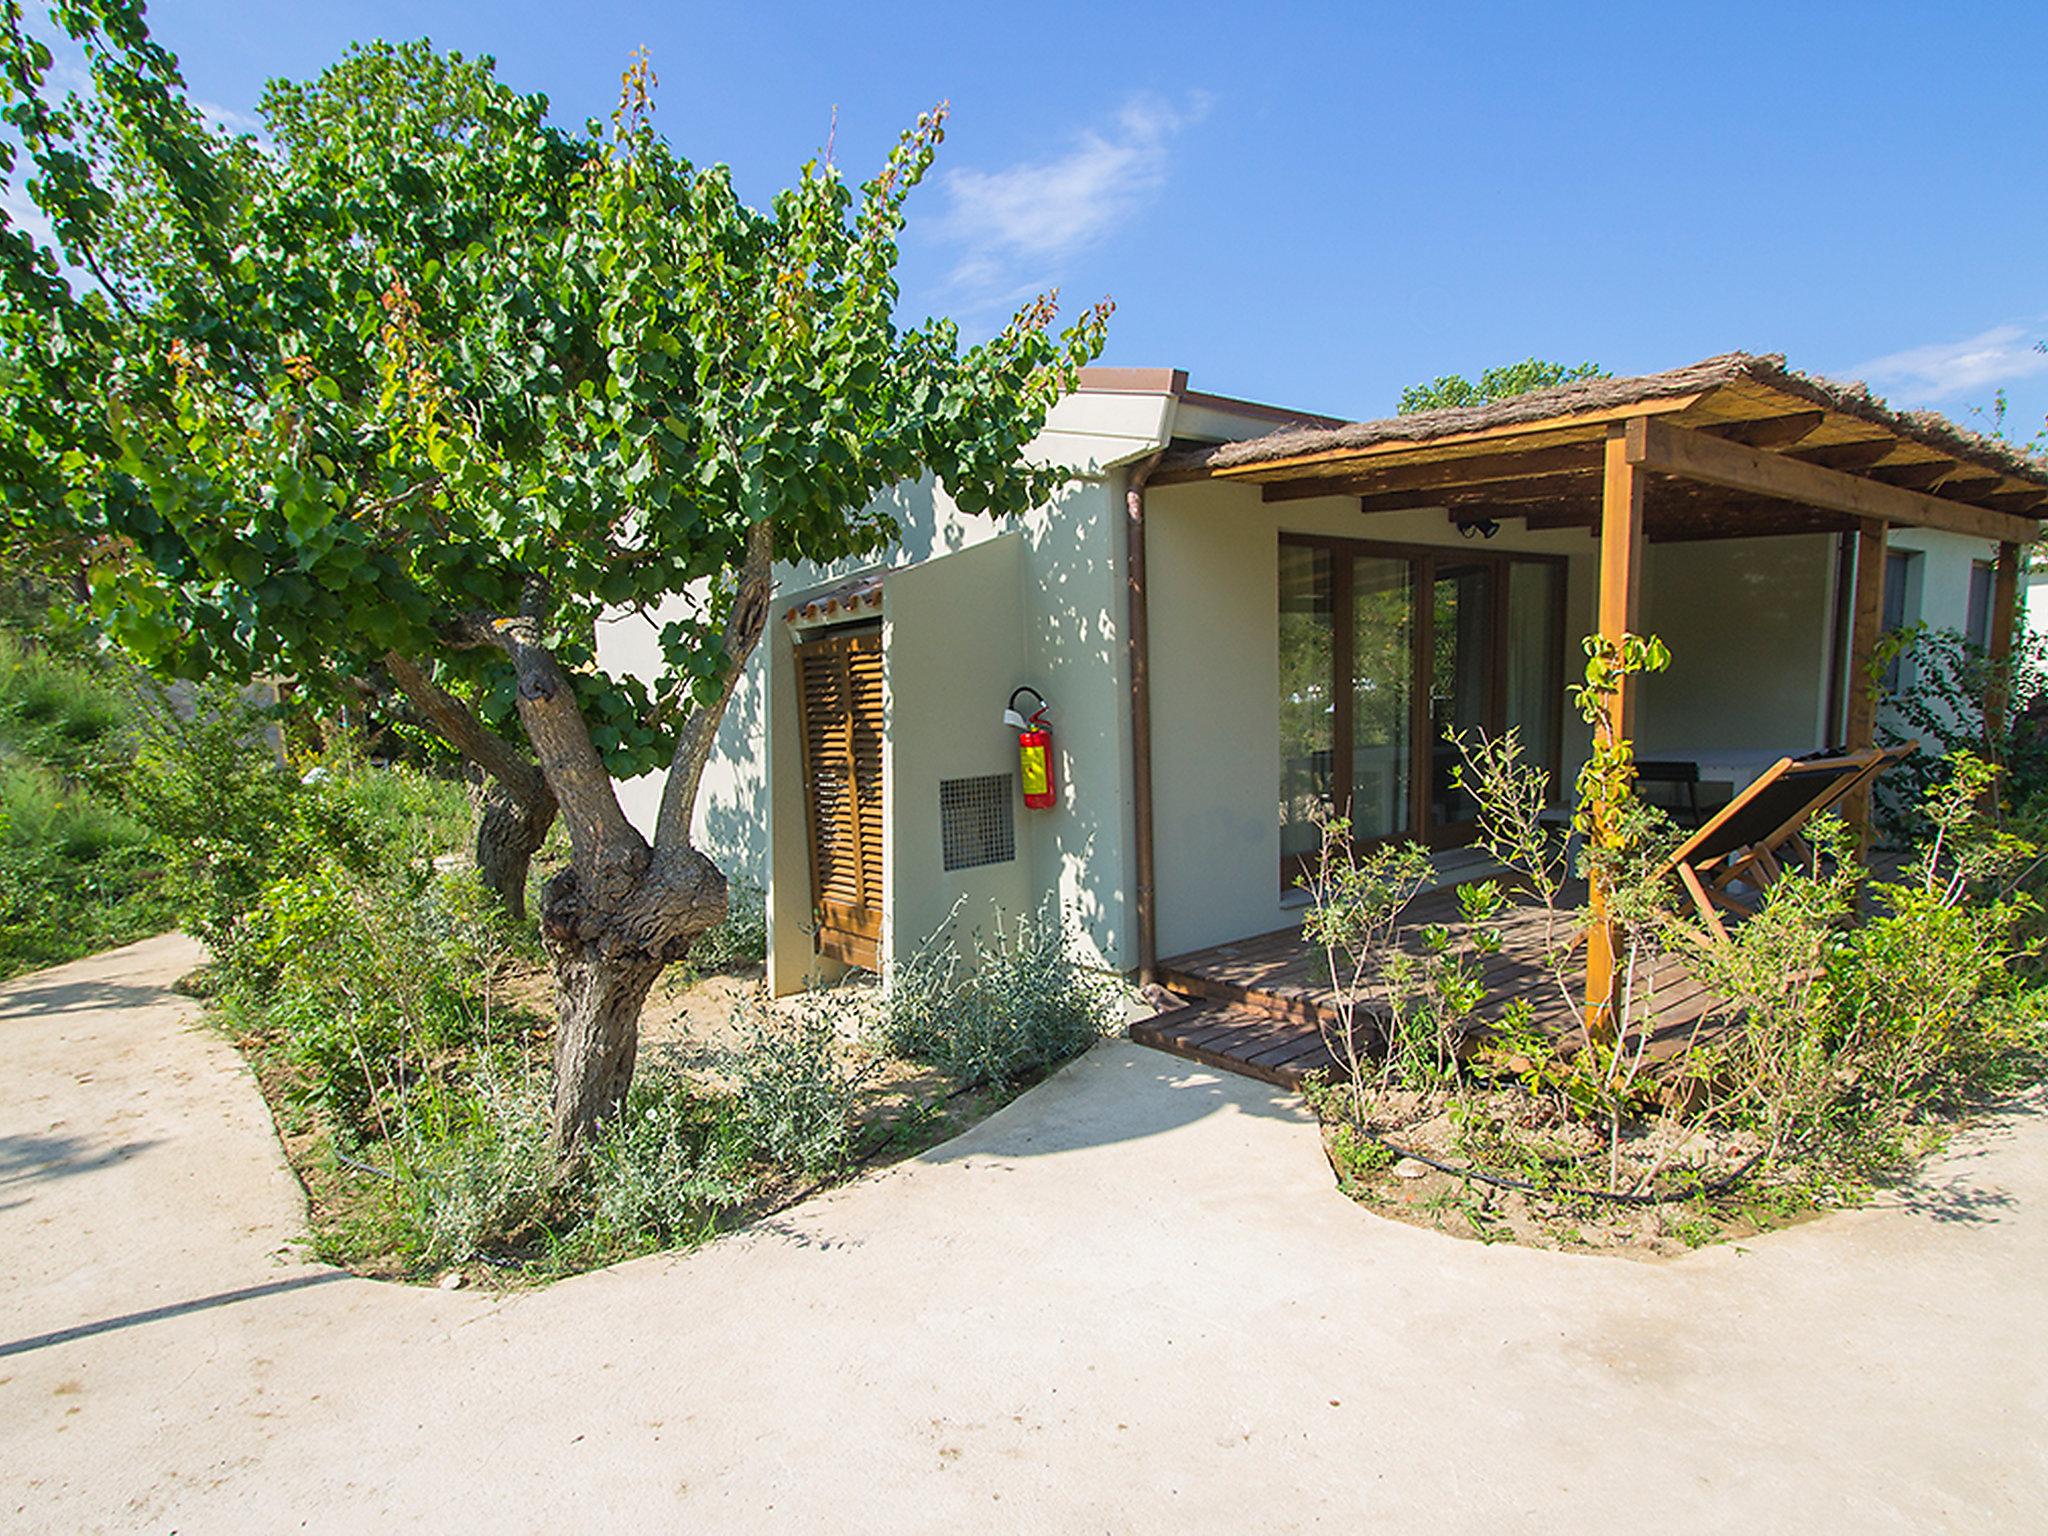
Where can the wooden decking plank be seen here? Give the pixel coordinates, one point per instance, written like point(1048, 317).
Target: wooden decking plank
point(1260, 1001)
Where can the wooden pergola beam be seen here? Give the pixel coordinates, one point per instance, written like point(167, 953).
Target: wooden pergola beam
point(1621, 575)
point(1915, 477)
point(1967, 487)
point(1660, 447)
point(1769, 431)
point(1340, 461)
point(2014, 501)
point(1861, 454)
point(1445, 474)
point(1866, 618)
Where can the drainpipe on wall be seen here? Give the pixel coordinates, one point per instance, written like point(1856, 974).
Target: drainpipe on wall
point(1141, 715)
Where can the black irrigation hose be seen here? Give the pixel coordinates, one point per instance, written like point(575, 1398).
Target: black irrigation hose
point(1502, 1181)
point(382, 1173)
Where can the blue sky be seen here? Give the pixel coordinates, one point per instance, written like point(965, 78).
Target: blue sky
point(1316, 204)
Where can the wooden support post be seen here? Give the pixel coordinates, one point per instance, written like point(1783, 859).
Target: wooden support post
point(1621, 578)
point(1866, 616)
point(2005, 601)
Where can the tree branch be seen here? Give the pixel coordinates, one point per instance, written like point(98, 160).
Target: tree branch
point(599, 833)
point(461, 729)
point(743, 629)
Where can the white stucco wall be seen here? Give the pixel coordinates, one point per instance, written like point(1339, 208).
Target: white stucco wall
point(974, 607)
point(953, 647)
point(1943, 598)
point(1750, 626)
point(1212, 555)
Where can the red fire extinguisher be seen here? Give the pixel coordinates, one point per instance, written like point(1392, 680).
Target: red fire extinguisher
point(1034, 750)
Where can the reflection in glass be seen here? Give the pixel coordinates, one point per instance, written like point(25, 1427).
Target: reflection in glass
point(1382, 663)
point(1535, 684)
point(1307, 697)
point(1461, 673)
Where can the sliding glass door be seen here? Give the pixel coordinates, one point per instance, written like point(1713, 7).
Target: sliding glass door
point(1387, 650)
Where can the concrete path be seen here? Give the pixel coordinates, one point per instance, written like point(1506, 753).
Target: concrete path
point(1129, 1302)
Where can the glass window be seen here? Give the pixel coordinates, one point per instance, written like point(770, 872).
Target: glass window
point(1308, 728)
point(1351, 617)
point(1535, 691)
point(1461, 679)
point(1978, 626)
point(1382, 665)
point(1900, 567)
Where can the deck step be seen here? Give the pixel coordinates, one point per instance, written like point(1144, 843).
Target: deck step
point(1271, 999)
point(1238, 1039)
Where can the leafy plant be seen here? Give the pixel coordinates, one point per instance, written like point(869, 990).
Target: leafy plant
point(1024, 1007)
point(794, 1087)
point(667, 1168)
point(1850, 1032)
point(429, 384)
point(1945, 694)
point(1400, 1012)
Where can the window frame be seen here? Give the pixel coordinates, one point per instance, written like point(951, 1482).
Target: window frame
point(1422, 561)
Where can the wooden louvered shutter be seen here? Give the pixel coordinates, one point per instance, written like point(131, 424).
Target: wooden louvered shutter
point(839, 696)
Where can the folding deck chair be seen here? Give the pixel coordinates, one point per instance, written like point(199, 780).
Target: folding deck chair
point(1740, 843)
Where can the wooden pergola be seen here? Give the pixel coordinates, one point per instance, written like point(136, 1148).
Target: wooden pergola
point(1734, 447)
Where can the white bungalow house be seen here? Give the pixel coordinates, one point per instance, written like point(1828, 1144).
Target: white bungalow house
point(1293, 610)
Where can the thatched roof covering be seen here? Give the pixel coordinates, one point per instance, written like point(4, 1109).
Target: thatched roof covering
point(1737, 372)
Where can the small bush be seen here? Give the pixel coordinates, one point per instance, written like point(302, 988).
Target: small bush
point(65, 711)
point(76, 875)
point(475, 1171)
point(738, 943)
point(664, 1170)
point(368, 989)
point(1851, 1033)
point(230, 818)
point(1027, 1005)
point(795, 1087)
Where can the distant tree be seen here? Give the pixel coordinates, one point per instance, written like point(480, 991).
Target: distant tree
point(427, 384)
point(1511, 379)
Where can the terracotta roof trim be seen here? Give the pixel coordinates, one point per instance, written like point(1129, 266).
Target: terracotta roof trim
point(861, 594)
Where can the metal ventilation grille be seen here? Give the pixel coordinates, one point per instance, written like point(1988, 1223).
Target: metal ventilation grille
point(977, 821)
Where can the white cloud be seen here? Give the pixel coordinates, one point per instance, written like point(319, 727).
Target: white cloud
point(229, 121)
point(1017, 225)
point(1943, 368)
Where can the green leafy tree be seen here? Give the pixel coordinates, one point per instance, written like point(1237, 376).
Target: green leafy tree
point(429, 384)
point(1502, 383)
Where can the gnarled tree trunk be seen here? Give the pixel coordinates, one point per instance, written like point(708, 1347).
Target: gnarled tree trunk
point(624, 909)
point(608, 941)
point(509, 832)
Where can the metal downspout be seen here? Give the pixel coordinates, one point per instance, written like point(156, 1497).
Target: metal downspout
point(1139, 641)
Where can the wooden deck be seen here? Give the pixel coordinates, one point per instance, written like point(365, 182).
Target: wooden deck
point(1257, 1006)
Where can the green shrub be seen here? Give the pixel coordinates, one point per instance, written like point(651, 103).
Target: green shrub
point(1026, 1006)
point(796, 1089)
point(1852, 1032)
point(741, 940)
point(76, 875)
point(63, 710)
point(475, 1171)
point(368, 988)
point(664, 1169)
point(229, 818)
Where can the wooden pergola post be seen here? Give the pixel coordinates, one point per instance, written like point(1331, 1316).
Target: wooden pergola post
point(1621, 569)
point(2005, 601)
point(1866, 618)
